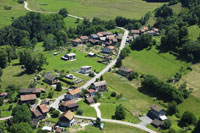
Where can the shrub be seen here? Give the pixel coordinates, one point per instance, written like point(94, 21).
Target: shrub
point(113, 94)
point(55, 114)
point(80, 112)
point(7, 7)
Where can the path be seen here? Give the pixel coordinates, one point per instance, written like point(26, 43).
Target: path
point(5, 118)
point(119, 122)
point(96, 107)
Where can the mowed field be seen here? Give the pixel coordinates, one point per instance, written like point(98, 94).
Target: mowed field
point(162, 65)
point(6, 15)
point(105, 9)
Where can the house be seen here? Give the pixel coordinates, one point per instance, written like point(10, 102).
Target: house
point(119, 37)
point(66, 119)
point(36, 91)
point(145, 28)
point(151, 32)
point(29, 98)
point(106, 33)
point(100, 61)
point(77, 42)
point(125, 71)
point(94, 36)
point(90, 54)
point(36, 114)
point(43, 109)
point(35, 122)
point(103, 39)
point(156, 123)
point(50, 79)
point(99, 34)
point(73, 94)
point(4, 94)
point(89, 100)
point(47, 128)
point(69, 105)
point(99, 86)
point(70, 57)
point(157, 112)
point(86, 69)
point(92, 92)
point(95, 42)
point(133, 32)
point(108, 49)
point(84, 38)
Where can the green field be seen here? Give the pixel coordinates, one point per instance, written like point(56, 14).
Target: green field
point(162, 65)
point(112, 128)
point(98, 8)
point(194, 32)
point(6, 15)
point(87, 110)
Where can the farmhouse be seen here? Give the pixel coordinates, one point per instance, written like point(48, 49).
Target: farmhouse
point(4, 94)
point(157, 112)
point(108, 49)
point(36, 114)
point(99, 86)
point(86, 69)
point(73, 94)
point(99, 34)
point(30, 98)
point(84, 38)
point(77, 42)
point(89, 100)
point(106, 33)
point(66, 119)
point(125, 71)
point(145, 28)
point(92, 92)
point(50, 79)
point(69, 105)
point(119, 37)
point(36, 91)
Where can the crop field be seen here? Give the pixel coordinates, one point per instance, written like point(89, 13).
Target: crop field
point(105, 9)
point(6, 16)
point(162, 65)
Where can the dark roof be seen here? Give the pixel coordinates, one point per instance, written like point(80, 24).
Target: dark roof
point(49, 77)
point(69, 104)
point(156, 122)
point(31, 90)
point(90, 100)
point(126, 69)
point(35, 112)
point(156, 108)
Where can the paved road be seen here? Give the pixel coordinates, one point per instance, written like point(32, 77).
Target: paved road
point(96, 107)
point(26, 7)
point(5, 118)
point(118, 122)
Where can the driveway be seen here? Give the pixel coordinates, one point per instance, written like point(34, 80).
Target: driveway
point(96, 107)
point(145, 120)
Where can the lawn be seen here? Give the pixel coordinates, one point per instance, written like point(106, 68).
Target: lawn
point(162, 65)
point(6, 15)
point(105, 9)
point(13, 75)
point(194, 32)
point(4, 109)
point(87, 110)
point(71, 22)
point(112, 128)
point(135, 101)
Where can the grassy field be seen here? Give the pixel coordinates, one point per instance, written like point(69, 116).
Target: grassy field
point(194, 32)
point(162, 65)
point(6, 15)
point(112, 128)
point(105, 9)
point(4, 109)
point(87, 110)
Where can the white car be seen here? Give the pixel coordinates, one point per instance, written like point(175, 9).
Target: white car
point(70, 76)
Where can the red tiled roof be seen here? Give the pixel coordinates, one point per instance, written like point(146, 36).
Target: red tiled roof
point(91, 90)
point(75, 91)
point(28, 97)
point(44, 108)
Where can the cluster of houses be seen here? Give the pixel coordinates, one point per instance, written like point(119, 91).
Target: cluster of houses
point(69, 104)
point(105, 38)
point(145, 30)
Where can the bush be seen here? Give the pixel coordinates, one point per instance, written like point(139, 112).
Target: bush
point(187, 119)
point(80, 112)
point(133, 75)
point(167, 124)
point(7, 7)
point(120, 113)
point(113, 94)
point(20, 1)
point(55, 114)
point(91, 74)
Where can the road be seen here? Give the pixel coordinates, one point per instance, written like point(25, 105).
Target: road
point(96, 107)
point(118, 122)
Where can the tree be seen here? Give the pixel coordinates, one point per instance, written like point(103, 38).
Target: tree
point(101, 78)
point(42, 131)
point(59, 87)
point(113, 94)
point(6, 7)
point(80, 112)
point(98, 121)
point(118, 63)
point(172, 108)
point(171, 130)
point(187, 119)
point(197, 128)
point(20, 1)
point(3, 58)
point(120, 113)
point(1, 101)
point(55, 114)
point(50, 94)
point(50, 42)
point(141, 42)
point(1, 72)
point(63, 12)
point(21, 113)
point(133, 75)
point(167, 124)
point(125, 52)
point(163, 11)
point(21, 128)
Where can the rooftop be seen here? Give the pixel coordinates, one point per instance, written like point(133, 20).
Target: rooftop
point(126, 69)
point(68, 114)
point(156, 108)
point(69, 103)
point(28, 97)
point(44, 108)
point(100, 83)
point(71, 54)
point(75, 91)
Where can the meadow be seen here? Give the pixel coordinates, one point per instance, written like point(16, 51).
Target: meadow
point(162, 65)
point(194, 32)
point(7, 16)
point(111, 128)
point(105, 9)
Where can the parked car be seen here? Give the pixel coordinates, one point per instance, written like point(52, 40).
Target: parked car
point(70, 76)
